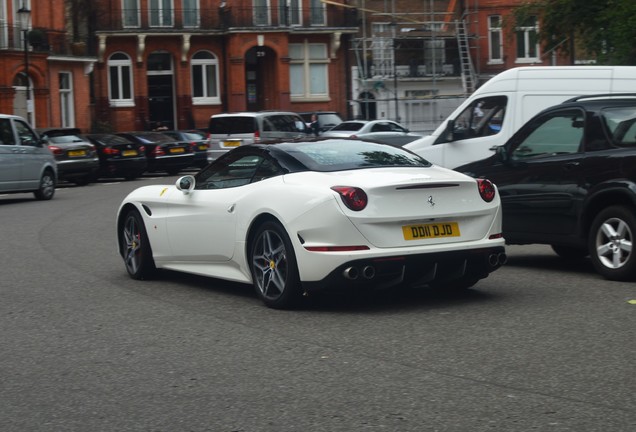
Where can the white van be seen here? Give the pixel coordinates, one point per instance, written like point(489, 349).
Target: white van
point(505, 102)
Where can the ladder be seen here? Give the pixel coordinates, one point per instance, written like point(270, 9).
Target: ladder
point(469, 78)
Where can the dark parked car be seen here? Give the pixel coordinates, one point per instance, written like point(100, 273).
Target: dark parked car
point(199, 141)
point(118, 156)
point(567, 178)
point(75, 157)
point(163, 152)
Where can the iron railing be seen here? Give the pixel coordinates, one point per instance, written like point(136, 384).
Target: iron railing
point(225, 18)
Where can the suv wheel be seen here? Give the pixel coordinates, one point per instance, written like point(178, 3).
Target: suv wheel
point(610, 243)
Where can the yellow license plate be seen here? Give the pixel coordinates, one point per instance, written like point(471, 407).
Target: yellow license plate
point(231, 143)
point(433, 230)
point(129, 153)
point(177, 150)
point(203, 147)
point(76, 153)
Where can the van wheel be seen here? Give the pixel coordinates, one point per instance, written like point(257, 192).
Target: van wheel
point(610, 243)
point(47, 186)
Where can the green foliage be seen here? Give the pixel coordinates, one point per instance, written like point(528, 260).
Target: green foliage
point(604, 29)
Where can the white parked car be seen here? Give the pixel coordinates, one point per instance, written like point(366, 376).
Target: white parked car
point(386, 131)
point(293, 217)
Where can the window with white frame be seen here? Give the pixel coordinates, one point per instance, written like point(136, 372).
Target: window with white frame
point(205, 78)
point(130, 13)
point(495, 41)
point(528, 41)
point(161, 13)
point(191, 13)
point(67, 108)
point(308, 71)
point(290, 12)
point(382, 49)
point(120, 80)
point(317, 12)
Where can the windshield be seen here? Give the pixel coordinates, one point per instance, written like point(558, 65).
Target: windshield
point(339, 155)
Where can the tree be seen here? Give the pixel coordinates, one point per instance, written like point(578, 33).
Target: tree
point(605, 29)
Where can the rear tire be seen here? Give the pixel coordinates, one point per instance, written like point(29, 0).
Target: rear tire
point(611, 243)
point(46, 189)
point(134, 246)
point(273, 267)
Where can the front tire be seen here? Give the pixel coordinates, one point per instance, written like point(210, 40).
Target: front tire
point(610, 243)
point(135, 247)
point(273, 267)
point(46, 189)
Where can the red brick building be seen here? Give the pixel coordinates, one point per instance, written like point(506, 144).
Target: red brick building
point(48, 83)
point(180, 61)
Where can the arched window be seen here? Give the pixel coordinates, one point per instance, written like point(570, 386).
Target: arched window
point(205, 78)
point(120, 80)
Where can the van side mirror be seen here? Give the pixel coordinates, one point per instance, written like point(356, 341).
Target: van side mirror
point(449, 133)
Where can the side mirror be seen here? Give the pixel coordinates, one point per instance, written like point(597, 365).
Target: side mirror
point(185, 184)
point(501, 153)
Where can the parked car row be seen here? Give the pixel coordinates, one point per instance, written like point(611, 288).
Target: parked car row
point(82, 158)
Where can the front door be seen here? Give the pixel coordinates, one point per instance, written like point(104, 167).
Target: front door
point(160, 91)
point(260, 79)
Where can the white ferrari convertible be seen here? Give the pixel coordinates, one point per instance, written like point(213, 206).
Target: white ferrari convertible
point(291, 218)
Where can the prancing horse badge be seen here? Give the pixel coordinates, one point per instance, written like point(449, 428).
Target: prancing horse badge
point(430, 201)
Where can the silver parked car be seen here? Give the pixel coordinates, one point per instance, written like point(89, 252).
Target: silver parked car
point(385, 131)
point(26, 163)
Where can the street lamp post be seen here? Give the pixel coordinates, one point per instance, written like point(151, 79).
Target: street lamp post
point(24, 14)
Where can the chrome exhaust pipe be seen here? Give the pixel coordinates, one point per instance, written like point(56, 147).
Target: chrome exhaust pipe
point(493, 260)
point(502, 258)
point(350, 273)
point(368, 272)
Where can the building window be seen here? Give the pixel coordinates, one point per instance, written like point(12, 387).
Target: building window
point(120, 80)
point(382, 50)
point(495, 41)
point(161, 13)
point(130, 13)
point(527, 41)
point(317, 12)
point(308, 70)
point(261, 12)
point(205, 78)
point(291, 12)
point(191, 13)
point(66, 99)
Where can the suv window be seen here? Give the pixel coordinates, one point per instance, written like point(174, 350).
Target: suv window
point(621, 124)
point(556, 133)
point(233, 125)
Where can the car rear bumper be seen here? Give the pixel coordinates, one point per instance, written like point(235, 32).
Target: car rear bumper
point(77, 168)
point(123, 167)
point(413, 270)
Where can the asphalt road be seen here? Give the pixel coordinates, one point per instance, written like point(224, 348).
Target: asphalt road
point(541, 345)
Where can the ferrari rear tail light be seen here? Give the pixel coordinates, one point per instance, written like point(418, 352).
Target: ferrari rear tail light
point(486, 189)
point(354, 198)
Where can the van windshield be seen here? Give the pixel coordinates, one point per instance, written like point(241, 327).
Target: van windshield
point(229, 125)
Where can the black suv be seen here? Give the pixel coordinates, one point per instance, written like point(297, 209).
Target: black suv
point(567, 178)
